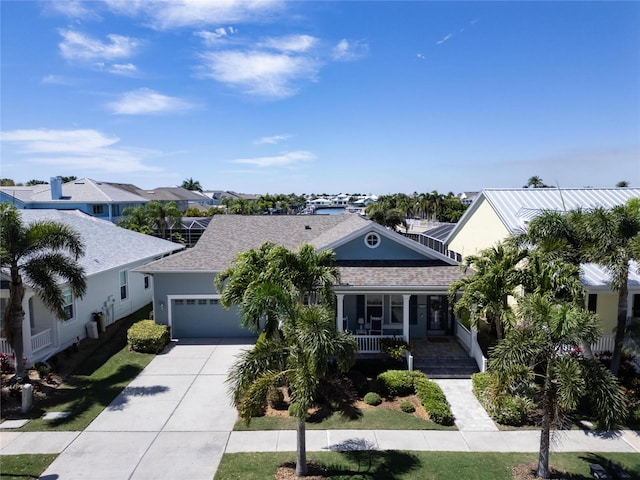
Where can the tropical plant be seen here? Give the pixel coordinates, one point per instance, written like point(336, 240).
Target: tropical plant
point(136, 219)
point(299, 339)
point(535, 182)
point(43, 254)
point(536, 351)
point(163, 216)
point(191, 184)
point(485, 292)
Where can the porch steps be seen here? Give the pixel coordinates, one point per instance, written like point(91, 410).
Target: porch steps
point(442, 357)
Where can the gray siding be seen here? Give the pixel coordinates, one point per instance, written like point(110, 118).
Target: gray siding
point(387, 250)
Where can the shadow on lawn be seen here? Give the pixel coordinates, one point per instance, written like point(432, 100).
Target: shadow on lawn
point(376, 465)
point(614, 468)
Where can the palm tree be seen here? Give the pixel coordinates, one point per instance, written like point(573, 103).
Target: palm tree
point(41, 254)
point(613, 234)
point(386, 216)
point(534, 351)
point(136, 219)
point(299, 336)
point(485, 293)
point(191, 184)
point(622, 184)
point(163, 216)
point(535, 182)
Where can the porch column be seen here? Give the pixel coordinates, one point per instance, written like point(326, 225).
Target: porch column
point(26, 331)
point(405, 317)
point(340, 314)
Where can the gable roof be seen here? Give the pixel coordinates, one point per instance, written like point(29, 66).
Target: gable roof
point(85, 190)
point(228, 235)
point(517, 206)
point(107, 246)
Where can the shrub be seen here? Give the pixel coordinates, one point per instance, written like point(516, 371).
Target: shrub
point(372, 398)
point(6, 363)
point(505, 408)
point(407, 407)
point(146, 336)
point(399, 382)
point(42, 368)
point(434, 401)
point(275, 398)
point(394, 347)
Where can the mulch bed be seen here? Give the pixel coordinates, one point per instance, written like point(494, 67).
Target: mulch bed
point(288, 472)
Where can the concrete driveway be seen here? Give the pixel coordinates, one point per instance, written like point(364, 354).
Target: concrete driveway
point(172, 421)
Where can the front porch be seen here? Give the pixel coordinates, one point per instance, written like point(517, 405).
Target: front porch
point(37, 346)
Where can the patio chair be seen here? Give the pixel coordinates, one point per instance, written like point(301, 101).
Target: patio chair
point(376, 326)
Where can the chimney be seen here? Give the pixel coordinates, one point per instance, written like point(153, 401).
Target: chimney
point(56, 188)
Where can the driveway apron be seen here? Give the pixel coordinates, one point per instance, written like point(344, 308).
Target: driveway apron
point(172, 421)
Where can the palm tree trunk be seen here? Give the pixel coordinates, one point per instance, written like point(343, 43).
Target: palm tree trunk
point(621, 327)
point(301, 454)
point(545, 432)
point(14, 318)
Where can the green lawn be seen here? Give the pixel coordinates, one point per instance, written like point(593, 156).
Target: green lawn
point(23, 467)
point(371, 419)
point(94, 384)
point(400, 465)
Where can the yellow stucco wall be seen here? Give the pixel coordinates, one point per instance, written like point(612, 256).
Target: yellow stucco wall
point(607, 310)
point(482, 230)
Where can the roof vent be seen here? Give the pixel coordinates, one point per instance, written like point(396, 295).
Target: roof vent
point(307, 227)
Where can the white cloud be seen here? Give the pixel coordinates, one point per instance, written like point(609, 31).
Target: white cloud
point(145, 101)
point(420, 55)
point(217, 36)
point(164, 15)
point(284, 160)
point(123, 68)
point(290, 43)
point(444, 39)
point(77, 9)
point(77, 150)
point(260, 73)
point(56, 80)
point(78, 46)
point(347, 50)
point(272, 140)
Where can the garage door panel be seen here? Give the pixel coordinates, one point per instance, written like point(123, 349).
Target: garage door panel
point(198, 318)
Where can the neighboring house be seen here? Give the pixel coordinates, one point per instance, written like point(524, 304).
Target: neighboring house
point(467, 198)
point(180, 196)
point(97, 199)
point(215, 197)
point(498, 213)
point(112, 288)
point(383, 274)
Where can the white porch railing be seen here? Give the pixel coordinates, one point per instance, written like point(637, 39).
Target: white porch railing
point(470, 341)
point(370, 343)
point(41, 340)
point(5, 347)
point(605, 343)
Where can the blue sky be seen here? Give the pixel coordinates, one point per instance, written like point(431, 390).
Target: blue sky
point(323, 97)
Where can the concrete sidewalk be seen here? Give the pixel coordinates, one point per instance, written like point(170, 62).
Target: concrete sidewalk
point(174, 421)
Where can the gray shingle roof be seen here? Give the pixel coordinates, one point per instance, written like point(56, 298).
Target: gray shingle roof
point(228, 235)
point(107, 245)
point(87, 190)
point(418, 277)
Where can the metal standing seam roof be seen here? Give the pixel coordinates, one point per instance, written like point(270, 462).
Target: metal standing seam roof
point(107, 246)
point(516, 207)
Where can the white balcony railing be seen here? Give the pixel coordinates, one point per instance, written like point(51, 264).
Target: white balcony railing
point(5, 347)
point(41, 340)
point(370, 343)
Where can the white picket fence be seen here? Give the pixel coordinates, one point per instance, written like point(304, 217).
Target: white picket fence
point(604, 344)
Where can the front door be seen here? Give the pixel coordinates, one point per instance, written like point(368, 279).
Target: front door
point(437, 315)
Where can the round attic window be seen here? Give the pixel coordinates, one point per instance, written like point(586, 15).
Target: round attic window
point(372, 240)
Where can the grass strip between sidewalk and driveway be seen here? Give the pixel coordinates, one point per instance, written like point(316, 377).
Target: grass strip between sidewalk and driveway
point(94, 383)
point(404, 465)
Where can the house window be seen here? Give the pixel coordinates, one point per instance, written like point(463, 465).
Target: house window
point(374, 306)
point(396, 308)
point(98, 209)
point(191, 301)
point(213, 301)
point(146, 282)
point(202, 301)
point(592, 302)
point(179, 302)
point(124, 288)
point(68, 304)
point(372, 240)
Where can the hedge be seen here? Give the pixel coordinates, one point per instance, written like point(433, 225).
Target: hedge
point(399, 382)
point(146, 336)
point(434, 401)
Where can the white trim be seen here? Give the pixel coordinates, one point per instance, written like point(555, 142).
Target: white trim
point(372, 236)
point(120, 284)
